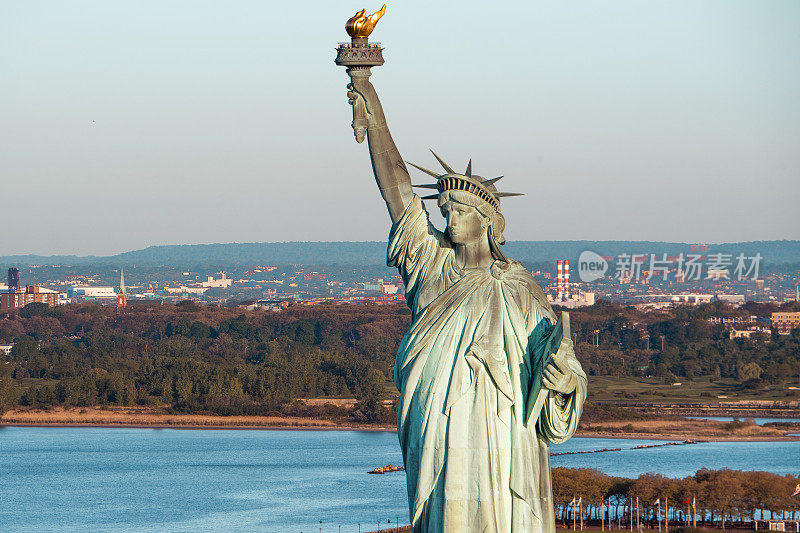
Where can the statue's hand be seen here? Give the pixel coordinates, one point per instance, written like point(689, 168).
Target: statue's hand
point(354, 96)
point(558, 376)
point(363, 96)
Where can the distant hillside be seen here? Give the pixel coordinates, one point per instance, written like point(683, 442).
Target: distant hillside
point(372, 253)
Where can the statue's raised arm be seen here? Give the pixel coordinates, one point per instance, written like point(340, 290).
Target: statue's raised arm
point(359, 56)
point(387, 164)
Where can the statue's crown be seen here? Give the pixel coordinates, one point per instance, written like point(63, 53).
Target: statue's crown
point(467, 182)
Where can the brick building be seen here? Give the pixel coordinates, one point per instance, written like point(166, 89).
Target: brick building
point(17, 299)
point(785, 322)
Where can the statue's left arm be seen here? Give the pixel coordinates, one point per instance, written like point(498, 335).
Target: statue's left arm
point(566, 382)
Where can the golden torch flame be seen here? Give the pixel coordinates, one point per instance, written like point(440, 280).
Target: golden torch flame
point(361, 25)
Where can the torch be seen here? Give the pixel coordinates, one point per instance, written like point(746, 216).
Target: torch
point(359, 56)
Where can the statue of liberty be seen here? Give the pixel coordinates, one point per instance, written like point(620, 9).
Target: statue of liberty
point(487, 376)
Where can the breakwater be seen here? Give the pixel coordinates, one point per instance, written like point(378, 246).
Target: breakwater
point(637, 447)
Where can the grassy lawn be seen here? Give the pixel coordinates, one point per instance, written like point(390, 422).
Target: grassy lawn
point(698, 390)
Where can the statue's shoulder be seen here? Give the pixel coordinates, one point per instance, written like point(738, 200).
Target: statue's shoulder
point(523, 283)
point(512, 271)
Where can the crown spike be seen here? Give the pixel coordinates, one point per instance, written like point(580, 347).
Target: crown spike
point(503, 194)
point(444, 165)
point(468, 172)
point(492, 181)
point(423, 169)
point(427, 186)
point(430, 197)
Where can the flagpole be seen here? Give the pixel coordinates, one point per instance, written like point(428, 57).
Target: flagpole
point(573, 514)
point(658, 501)
point(580, 505)
point(638, 517)
point(666, 515)
point(630, 512)
point(694, 509)
point(602, 517)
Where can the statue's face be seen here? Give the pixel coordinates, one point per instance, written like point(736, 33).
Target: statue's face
point(465, 224)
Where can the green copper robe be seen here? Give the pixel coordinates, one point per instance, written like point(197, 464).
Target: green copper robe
point(463, 371)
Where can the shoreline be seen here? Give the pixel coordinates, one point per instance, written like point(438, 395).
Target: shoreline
point(149, 418)
point(385, 429)
point(231, 427)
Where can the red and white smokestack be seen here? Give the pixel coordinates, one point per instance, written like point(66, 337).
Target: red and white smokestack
point(560, 278)
point(566, 279)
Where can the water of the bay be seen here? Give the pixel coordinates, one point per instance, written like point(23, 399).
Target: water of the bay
point(148, 480)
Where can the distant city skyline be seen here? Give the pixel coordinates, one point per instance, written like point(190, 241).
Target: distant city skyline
point(127, 125)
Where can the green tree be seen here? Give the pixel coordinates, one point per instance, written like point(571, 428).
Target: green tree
point(25, 347)
point(8, 398)
point(34, 309)
point(749, 371)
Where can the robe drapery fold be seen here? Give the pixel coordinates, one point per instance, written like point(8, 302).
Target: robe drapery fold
point(463, 370)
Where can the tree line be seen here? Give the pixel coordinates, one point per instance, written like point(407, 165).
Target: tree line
point(724, 498)
point(620, 340)
point(196, 358)
point(223, 360)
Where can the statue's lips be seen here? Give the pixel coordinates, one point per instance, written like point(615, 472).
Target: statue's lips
point(456, 236)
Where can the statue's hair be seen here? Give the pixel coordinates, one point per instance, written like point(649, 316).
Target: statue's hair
point(497, 222)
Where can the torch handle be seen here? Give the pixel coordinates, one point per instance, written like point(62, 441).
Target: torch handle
point(359, 106)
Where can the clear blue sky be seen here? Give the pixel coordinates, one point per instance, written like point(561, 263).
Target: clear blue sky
point(126, 124)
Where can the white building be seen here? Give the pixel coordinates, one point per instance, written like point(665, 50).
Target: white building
point(747, 332)
point(92, 292)
point(185, 290)
point(581, 299)
point(267, 305)
point(733, 299)
point(693, 298)
point(390, 288)
point(222, 283)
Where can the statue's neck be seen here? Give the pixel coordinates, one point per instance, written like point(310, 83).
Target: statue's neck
point(474, 254)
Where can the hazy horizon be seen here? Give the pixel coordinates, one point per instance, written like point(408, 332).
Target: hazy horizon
point(128, 125)
point(379, 242)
